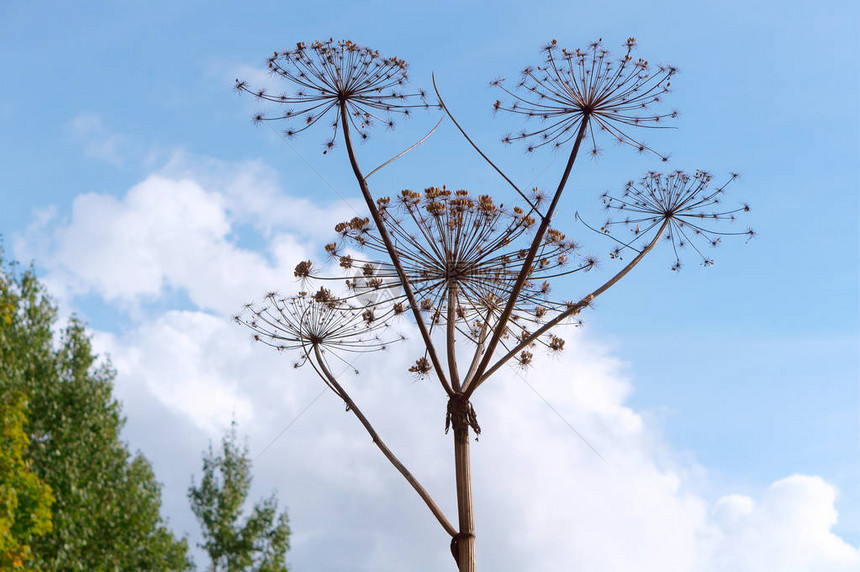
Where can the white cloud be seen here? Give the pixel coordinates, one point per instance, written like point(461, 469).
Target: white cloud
point(184, 359)
point(176, 232)
point(254, 196)
point(788, 528)
point(544, 500)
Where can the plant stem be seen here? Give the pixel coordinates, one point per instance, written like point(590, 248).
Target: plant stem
point(470, 384)
point(450, 335)
point(425, 496)
point(392, 253)
point(576, 308)
point(465, 540)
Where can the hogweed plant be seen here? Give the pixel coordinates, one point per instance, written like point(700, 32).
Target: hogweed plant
point(470, 273)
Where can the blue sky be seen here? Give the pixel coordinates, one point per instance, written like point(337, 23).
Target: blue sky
point(750, 368)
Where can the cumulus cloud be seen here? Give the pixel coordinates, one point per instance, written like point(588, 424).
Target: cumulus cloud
point(254, 196)
point(184, 359)
point(176, 232)
point(544, 499)
point(788, 528)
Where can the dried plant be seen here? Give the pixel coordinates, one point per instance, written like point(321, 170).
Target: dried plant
point(471, 274)
point(462, 257)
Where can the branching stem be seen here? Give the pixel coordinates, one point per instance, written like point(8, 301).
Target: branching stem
point(573, 310)
point(392, 253)
point(425, 496)
point(469, 384)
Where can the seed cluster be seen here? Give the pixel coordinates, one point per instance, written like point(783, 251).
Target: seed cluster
point(320, 319)
point(461, 255)
point(454, 260)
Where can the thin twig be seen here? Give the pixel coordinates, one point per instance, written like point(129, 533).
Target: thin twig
point(560, 416)
point(399, 155)
point(481, 153)
point(312, 168)
point(290, 424)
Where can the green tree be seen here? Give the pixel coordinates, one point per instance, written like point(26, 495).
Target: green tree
point(106, 514)
point(25, 501)
point(262, 542)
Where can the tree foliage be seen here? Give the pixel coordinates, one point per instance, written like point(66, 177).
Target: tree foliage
point(25, 501)
point(261, 543)
point(106, 514)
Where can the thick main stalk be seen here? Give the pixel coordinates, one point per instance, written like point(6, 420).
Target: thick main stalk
point(465, 540)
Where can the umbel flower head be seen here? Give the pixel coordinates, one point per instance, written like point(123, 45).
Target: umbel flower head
point(332, 79)
point(572, 87)
point(313, 321)
point(690, 206)
point(461, 255)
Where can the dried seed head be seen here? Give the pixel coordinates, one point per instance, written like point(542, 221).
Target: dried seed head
point(303, 269)
point(571, 88)
point(340, 79)
point(319, 320)
point(421, 368)
point(690, 205)
point(525, 358)
point(461, 255)
point(555, 344)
